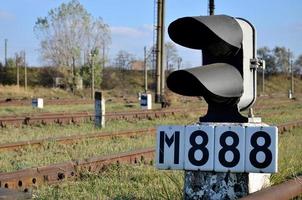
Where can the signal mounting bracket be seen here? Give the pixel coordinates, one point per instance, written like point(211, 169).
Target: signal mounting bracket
point(257, 63)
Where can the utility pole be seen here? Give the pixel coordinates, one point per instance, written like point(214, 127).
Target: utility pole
point(163, 67)
point(103, 55)
point(263, 69)
point(25, 71)
point(73, 75)
point(292, 77)
point(159, 52)
point(290, 68)
point(5, 52)
point(145, 70)
point(92, 54)
point(18, 71)
point(211, 7)
point(179, 60)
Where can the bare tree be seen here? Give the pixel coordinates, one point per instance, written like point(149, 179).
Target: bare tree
point(171, 55)
point(298, 65)
point(123, 60)
point(282, 56)
point(270, 60)
point(69, 32)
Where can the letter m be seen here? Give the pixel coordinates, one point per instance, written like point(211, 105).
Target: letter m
point(165, 139)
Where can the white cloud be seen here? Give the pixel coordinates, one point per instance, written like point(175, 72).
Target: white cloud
point(6, 15)
point(296, 26)
point(143, 31)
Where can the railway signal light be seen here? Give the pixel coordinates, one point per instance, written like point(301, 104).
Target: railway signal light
point(227, 79)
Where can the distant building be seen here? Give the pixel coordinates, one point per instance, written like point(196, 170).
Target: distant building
point(137, 65)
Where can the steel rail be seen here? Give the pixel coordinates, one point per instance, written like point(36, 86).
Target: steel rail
point(32, 177)
point(63, 118)
point(283, 191)
point(283, 127)
point(24, 179)
point(68, 118)
point(68, 101)
point(28, 102)
point(75, 138)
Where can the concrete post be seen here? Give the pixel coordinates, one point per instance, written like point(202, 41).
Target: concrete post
point(162, 53)
point(99, 110)
point(5, 52)
point(92, 74)
point(215, 185)
point(145, 70)
point(159, 50)
point(25, 71)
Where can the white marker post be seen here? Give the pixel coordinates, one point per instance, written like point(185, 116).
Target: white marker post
point(146, 101)
point(37, 103)
point(99, 110)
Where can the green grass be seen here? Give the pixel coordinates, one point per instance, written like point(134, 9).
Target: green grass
point(52, 152)
point(125, 181)
point(122, 182)
point(14, 134)
point(146, 182)
point(110, 107)
point(22, 110)
point(7, 91)
point(290, 156)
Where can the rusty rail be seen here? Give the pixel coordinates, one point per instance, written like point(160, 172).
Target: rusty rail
point(283, 191)
point(68, 101)
point(68, 118)
point(32, 177)
point(27, 102)
point(106, 135)
point(75, 138)
point(24, 179)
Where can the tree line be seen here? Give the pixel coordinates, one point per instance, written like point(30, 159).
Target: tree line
point(73, 44)
point(279, 60)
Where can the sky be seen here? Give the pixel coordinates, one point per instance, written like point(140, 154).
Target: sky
point(278, 23)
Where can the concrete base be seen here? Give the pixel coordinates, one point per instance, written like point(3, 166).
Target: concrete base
point(211, 185)
point(258, 181)
point(217, 186)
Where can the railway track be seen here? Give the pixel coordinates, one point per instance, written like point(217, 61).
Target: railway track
point(27, 102)
point(75, 138)
point(107, 135)
point(27, 178)
point(69, 118)
point(68, 101)
point(77, 117)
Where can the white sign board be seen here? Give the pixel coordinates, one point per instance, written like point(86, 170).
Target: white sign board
point(146, 101)
point(197, 155)
point(261, 152)
point(219, 147)
point(37, 103)
point(170, 140)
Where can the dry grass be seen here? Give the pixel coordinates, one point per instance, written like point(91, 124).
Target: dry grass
point(15, 92)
